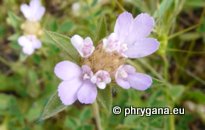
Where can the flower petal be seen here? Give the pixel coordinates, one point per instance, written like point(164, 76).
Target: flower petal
point(101, 78)
point(140, 28)
point(88, 47)
point(101, 85)
point(26, 11)
point(122, 25)
point(111, 43)
point(28, 50)
point(22, 41)
point(77, 41)
point(29, 43)
point(84, 47)
point(67, 70)
point(36, 43)
point(34, 11)
point(67, 91)
point(38, 14)
point(140, 81)
point(87, 93)
point(142, 48)
point(122, 83)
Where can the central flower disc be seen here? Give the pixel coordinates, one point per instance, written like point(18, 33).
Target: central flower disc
point(102, 60)
point(30, 27)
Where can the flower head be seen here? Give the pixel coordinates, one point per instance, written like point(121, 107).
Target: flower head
point(106, 62)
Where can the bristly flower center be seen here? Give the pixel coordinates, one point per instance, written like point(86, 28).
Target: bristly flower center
point(102, 60)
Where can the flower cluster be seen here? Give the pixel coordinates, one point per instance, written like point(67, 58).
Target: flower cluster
point(106, 62)
point(31, 27)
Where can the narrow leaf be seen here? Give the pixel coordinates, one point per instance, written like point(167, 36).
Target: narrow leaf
point(101, 31)
point(176, 92)
point(14, 20)
point(105, 99)
point(63, 42)
point(53, 107)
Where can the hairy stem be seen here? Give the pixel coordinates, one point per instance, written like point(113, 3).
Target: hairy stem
point(97, 116)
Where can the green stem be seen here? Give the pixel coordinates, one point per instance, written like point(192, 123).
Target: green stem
point(183, 31)
point(5, 62)
point(172, 122)
point(166, 67)
point(97, 116)
point(120, 6)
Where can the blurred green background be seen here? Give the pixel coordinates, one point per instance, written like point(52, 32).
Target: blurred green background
point(177, 68)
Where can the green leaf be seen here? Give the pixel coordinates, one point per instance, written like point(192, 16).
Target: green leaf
point(13, 20)
point(4, 101)
point(101, 31)
point(195, 3)
point(63, 42)
point(197, 96)
point(105, 99)
point(163, 8)
point(66, 26)
point(53, 107)
point(176, 92)
point(71, 123)
point(85, 114)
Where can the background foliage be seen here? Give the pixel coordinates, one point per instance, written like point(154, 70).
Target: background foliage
point(178, 68)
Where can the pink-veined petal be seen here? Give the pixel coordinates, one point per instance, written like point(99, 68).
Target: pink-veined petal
point(101, 78)
point(142, 48)
point(67, 91)
point(87, 93)
point(84, 47)
point(67, 70)
point(88, 47)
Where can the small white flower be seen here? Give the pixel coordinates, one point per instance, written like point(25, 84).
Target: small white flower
point(29, 43)
point(76, 8)
point(83, 46)
point(34, 11)
point(101, 78)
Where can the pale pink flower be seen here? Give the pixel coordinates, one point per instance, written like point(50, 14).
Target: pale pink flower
point(34, 11)
point(29, 43)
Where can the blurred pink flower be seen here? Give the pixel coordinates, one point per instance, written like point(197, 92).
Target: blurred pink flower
point(34, 11)
point(29, 43)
